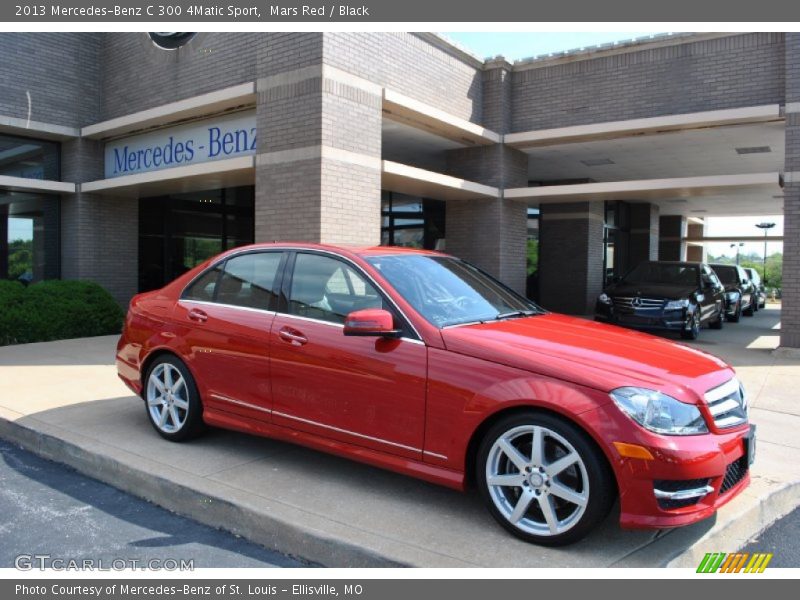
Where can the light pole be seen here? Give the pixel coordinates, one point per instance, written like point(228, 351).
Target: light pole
point(766, 227)
point(737, 246)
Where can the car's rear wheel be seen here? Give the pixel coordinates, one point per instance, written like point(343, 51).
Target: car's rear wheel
point(172, 402)
point(543, 479)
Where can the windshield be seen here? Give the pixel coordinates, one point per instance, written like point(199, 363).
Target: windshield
point(663, 274)
point(727, 274)
point(448, 291)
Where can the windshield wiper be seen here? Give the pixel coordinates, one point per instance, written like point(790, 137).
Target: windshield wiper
point(513, 314)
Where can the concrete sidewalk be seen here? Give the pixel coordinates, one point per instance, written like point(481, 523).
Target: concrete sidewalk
point(64, 401)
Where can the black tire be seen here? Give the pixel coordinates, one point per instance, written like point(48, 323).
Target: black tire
point(720, 320)
point(192, 423)
point(750, 310)
point(692, 330)
point(596, 473)
point(734, 318)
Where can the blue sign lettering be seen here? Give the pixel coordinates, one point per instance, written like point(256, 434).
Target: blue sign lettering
point(229, 136)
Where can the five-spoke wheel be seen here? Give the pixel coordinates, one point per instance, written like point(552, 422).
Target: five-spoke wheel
point(542, 479)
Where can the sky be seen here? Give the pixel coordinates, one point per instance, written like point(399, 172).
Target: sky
point(745, 226)
point(515, 46)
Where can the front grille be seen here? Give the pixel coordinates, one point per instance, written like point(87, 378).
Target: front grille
point(734, 474)
point(636, 302)
point(727, 404)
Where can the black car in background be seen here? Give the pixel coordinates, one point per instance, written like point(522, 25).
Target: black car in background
point(740, 293)
point(761, 290)
point(661, 295)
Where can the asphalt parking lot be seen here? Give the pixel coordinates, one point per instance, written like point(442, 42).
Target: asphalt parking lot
point(63, 400)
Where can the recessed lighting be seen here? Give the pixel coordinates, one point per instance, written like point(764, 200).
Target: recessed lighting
point(754, 150)
point(699, 210)
point(597, 162)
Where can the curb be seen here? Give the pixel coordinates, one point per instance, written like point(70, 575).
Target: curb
point(745, 525)
point(204, 506)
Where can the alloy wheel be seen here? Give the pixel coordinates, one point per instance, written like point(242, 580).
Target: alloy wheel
point(167, 398)
point(537, 480)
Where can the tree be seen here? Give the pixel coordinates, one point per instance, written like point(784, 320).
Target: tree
point(20, 258)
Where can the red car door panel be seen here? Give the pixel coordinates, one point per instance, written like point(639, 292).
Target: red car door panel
point(368, 391)
point(360, 390)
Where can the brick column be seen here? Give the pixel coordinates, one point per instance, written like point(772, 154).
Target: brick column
point(643, 244)
point(672, 238)
point(790, 312)
point(694, 252)
point(318, 172)
point(491, 233)
point(571, 256)
point(99, 234)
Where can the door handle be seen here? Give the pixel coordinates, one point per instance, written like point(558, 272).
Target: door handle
point(196, 314)
point(294, 337)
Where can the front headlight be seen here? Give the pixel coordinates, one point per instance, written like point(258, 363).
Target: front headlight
point(677, 304)
point(658, 412)
point(604, 298)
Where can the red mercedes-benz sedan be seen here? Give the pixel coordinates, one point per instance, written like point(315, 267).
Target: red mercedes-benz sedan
point(421, 363)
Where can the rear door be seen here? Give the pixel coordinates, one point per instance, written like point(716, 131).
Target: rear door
point(227, 314)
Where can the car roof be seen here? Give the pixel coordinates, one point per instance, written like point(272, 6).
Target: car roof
point(342, 248)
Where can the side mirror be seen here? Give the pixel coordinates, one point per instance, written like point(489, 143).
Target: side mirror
point(371, 322)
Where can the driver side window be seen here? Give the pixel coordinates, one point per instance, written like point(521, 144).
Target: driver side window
point(326, 288)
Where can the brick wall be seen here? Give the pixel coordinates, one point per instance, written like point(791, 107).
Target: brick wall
point(790, 313)
point(728, 72)
point(411, 65)
point(58, 70)
point(136, 74)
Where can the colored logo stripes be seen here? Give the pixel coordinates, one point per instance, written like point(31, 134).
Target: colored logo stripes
point(719, 562)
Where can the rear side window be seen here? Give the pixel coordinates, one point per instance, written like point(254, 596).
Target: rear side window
point(203, 288)
point(249, 280)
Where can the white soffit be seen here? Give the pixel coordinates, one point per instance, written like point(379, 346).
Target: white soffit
point(24, 184)
point(651, 125)
point(201, 176)
point(406, 110)
point(397, 177)
point(650, 189)
point(182, 110)
point(44, 131)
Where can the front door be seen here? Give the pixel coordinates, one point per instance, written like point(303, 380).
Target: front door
point(367, 391)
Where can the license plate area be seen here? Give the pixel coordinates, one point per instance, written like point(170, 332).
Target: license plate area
point(749, 442)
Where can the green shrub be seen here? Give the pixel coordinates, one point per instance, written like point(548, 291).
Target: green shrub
point(56, 310)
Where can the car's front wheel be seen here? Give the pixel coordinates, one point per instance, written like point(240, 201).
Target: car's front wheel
point(543, 479)
point(172, 401)
point(691, 330)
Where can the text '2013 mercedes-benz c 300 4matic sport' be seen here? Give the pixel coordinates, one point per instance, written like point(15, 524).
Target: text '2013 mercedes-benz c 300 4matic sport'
point(421, 363)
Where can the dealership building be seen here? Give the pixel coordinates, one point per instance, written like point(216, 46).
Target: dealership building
point(128, 158)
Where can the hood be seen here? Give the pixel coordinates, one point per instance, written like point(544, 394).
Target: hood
point(652, 290)
point(592, 354)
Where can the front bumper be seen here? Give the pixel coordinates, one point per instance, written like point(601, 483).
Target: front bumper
point(642, 318)
point(716, 460)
